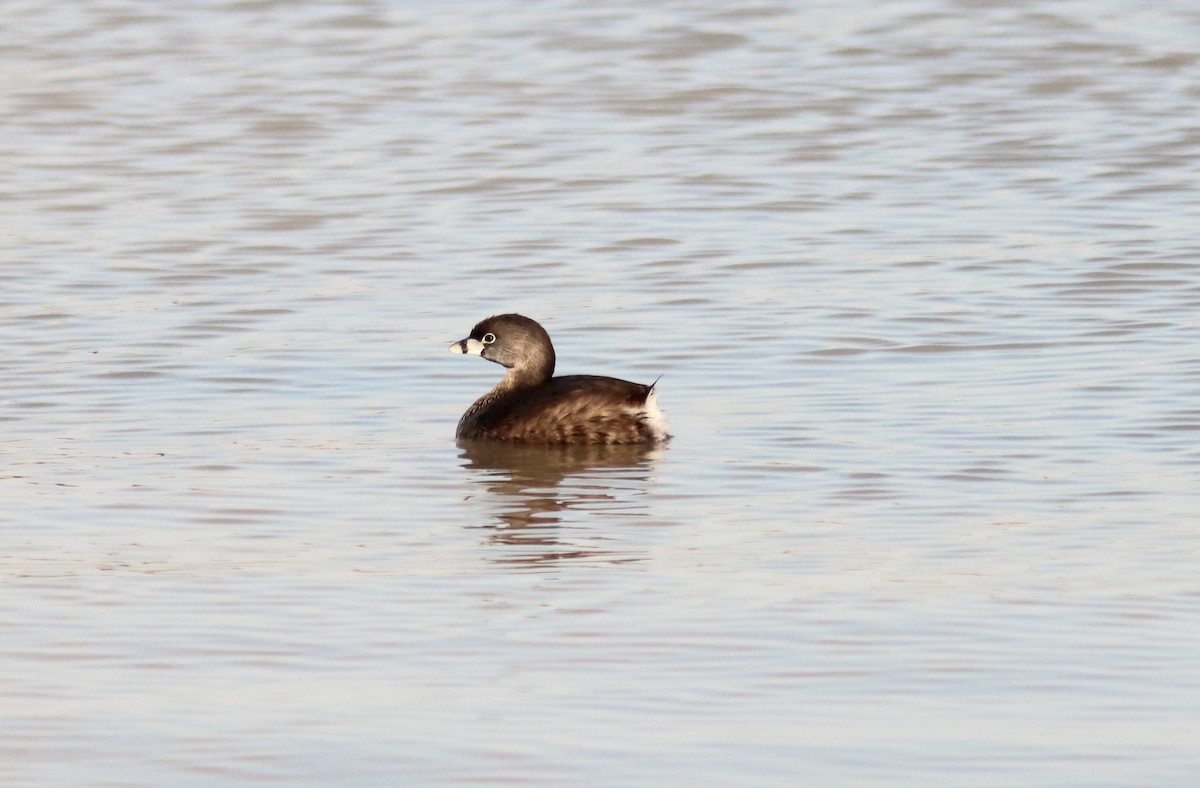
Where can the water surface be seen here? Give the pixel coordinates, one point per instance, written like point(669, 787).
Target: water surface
point(921, 280)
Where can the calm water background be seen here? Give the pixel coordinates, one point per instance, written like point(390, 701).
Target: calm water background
point(923, 283)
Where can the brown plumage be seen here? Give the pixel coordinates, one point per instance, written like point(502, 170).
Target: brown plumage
point(532, 406)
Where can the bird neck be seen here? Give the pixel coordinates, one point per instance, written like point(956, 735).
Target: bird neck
point(535, 371)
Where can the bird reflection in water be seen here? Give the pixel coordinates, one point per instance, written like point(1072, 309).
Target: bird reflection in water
point(543, 496)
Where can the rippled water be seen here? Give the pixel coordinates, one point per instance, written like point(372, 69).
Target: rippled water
point(922, 280)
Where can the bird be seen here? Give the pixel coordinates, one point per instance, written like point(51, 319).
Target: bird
point(531, 406)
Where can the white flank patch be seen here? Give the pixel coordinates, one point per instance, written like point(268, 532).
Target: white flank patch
point(655, 420)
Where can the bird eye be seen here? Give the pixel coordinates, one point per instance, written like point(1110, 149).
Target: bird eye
point(489, 338)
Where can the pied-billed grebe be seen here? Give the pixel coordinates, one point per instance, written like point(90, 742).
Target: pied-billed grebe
point(531, 406)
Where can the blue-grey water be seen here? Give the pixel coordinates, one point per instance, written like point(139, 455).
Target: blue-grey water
point(922, 280)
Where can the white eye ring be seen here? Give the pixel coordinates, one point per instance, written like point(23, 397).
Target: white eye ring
point(489, 338)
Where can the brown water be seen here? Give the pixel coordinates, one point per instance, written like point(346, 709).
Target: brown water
point(922, 280)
